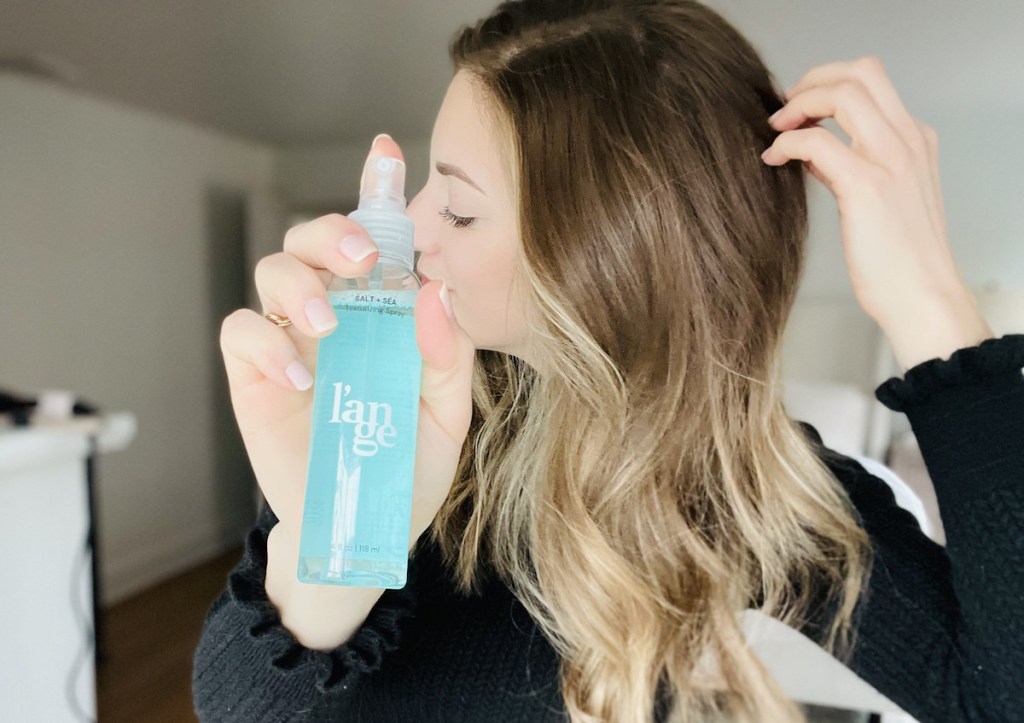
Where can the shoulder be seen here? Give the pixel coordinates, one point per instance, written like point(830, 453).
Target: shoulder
point(876, 491)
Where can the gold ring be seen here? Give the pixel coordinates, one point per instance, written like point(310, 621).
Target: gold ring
point(278, 319)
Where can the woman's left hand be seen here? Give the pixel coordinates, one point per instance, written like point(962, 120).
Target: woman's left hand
point(887, 186)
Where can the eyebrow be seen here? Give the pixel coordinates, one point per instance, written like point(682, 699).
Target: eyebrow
point(446, 169)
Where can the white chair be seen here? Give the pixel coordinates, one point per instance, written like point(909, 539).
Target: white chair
point(804, 670)
point(905, 496)
point(849, 421)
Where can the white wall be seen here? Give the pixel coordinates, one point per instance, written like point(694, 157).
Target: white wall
point(109, 223)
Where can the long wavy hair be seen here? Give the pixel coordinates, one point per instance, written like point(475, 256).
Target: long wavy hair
point(648, 486)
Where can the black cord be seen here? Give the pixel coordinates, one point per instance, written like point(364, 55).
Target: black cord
point(83, 623)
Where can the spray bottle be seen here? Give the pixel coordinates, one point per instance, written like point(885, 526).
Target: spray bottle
point(357, 515)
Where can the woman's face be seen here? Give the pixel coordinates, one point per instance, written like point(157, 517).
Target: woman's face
point(475, 260)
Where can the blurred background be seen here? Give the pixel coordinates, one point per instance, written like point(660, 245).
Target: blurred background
point(152, 152)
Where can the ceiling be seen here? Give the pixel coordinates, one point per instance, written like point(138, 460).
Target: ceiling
point(319, 72)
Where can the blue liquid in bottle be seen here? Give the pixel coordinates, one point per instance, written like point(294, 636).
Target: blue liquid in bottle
point(358, 507)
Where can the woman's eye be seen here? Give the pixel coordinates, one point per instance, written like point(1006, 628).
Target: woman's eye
point(456, 221)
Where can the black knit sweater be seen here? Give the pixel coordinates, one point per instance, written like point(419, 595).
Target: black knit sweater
point(940, 631)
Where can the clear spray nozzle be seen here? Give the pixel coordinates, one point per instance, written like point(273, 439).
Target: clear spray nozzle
point(382, 211)
point(383, 184)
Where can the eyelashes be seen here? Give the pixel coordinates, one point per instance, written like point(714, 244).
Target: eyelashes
point(456, 221)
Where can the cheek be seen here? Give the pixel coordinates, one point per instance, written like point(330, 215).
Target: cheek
point(477, 280)
point(482, 293)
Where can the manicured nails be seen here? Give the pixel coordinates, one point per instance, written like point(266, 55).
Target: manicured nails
point(356, 247)
point(299, 375)
point(445, 301)
point(320, 315)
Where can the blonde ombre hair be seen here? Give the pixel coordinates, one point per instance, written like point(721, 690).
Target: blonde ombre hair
point(648, 486)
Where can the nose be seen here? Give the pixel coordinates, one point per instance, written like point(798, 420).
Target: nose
point(416, 210)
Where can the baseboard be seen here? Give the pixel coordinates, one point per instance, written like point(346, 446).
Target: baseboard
point(130, 571)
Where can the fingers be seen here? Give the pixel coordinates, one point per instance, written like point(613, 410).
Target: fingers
point(869, 76)
point(436, 331)
point(385, 145)
point(931, 139)
point(870, 73)
point(448, 357)
point(854, 109)
point(255, 349)
point(288, 286)
point(333, 242)
point(859, 95)
point(294, 283)
point(835, 165)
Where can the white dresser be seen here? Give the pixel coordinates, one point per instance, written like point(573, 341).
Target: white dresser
point(47, 670)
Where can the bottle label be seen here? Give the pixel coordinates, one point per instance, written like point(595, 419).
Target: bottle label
point(358, 505)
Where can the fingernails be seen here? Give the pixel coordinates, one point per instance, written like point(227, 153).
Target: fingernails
point(379, 136)
point(321, 316)
point(357, 248)
point(445, 301)
point(773, 116)
point(299, 375)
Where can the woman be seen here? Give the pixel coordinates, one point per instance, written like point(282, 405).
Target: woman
point(603, 454)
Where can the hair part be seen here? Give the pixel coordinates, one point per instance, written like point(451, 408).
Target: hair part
point(648, 486)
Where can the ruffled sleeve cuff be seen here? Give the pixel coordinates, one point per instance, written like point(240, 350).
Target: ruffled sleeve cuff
point(967, 415)
point(248, 666)
point(332, 670)
point(995, 361)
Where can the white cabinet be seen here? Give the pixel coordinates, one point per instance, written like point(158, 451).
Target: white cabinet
point(46, 657)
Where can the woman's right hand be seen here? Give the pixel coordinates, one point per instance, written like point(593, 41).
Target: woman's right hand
point(271, 392)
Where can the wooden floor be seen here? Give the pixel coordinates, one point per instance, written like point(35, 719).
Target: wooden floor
point(145, 675)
